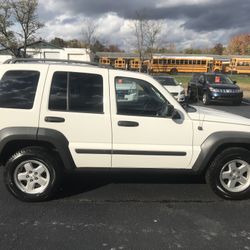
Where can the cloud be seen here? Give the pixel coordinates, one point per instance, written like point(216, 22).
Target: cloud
point(186, 22)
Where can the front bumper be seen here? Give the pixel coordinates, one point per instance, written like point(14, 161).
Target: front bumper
point(226, 96)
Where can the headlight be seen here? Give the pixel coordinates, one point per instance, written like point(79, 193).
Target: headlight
point(214, 90)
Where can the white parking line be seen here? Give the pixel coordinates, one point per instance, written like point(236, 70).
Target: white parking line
point(248, 103)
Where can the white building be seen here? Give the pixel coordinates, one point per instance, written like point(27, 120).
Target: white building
point(42, 50)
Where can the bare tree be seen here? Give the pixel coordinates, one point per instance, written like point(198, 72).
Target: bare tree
point(89, 31)
point(8, 39)
point(21, 14)
point(146, 34)
point(153, 31)
point(139, 29)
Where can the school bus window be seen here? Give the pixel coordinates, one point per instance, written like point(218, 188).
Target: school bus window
point(203, 62)
point(190, 62)
point(177, 61)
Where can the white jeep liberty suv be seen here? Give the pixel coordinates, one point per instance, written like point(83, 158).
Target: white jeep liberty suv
point(59, 116)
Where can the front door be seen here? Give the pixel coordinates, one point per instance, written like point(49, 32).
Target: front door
point(143, 137)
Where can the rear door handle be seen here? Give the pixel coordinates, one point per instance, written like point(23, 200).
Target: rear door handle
point(54, 119)
point(128, 124)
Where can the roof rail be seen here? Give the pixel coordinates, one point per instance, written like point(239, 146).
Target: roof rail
point(45, 60)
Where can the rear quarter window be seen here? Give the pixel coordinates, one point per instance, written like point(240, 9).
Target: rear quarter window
point(18, 89)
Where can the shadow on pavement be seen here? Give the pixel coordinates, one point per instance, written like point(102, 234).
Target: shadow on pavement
point(82, 181)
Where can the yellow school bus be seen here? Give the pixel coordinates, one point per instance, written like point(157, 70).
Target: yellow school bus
point(217, 66)
point(239, 66)
point(180, 64)
point(104, 61)
point(135, 64)
point(120, 63)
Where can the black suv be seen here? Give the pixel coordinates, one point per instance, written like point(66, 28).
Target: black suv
point(214, 87)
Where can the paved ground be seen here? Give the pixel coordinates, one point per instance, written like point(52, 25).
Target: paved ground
point(128, 211)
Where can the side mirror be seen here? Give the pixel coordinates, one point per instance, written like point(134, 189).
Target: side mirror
point(176, 115)
point(170, 110)
point(167, 110)
point(234, 82)
point(201, 81)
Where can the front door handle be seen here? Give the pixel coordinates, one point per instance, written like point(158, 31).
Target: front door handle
point(54, 119)
point(128, 124)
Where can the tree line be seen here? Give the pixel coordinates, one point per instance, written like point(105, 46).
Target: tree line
point(19, 24)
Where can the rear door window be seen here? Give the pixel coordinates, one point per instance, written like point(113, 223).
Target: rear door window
point(76, 92)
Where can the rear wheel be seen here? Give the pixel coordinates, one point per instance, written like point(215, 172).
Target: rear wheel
point(32, 174)
point(229, 174)
point(173, 71)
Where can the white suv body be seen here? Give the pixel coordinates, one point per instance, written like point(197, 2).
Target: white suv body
point(79, 117)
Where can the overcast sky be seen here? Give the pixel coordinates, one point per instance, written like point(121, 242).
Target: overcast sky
point(187, 23)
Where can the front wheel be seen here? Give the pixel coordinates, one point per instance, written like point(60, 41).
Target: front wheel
point(229, 174)
point(237, 103)
point(32, 174)
point(205, 99)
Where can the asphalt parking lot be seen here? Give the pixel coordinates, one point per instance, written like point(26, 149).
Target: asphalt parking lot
point(128, 210)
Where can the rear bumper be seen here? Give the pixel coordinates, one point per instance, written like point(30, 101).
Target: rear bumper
point(179, 97)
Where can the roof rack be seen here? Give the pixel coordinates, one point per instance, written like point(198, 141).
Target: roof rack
point(44, 60)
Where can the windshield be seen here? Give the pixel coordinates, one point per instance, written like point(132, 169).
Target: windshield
point(168, 81)
point(219, 79)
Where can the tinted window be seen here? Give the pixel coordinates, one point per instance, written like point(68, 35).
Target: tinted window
point(18, 89)
point(195, 77)
point(137, 97)
point(219, 79)
point(77, 92)
point(58, 92)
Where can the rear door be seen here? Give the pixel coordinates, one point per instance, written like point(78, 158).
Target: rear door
point(76, 103)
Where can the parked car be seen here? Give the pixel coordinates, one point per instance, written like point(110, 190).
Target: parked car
point(126, 91)
point(211, 87)
point(172, 86)
point(58, 117)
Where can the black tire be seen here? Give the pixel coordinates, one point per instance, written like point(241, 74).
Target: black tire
point(205, 99)
point(50, 174)
point(237, 103)
point(173, 71)
point(219, 183)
